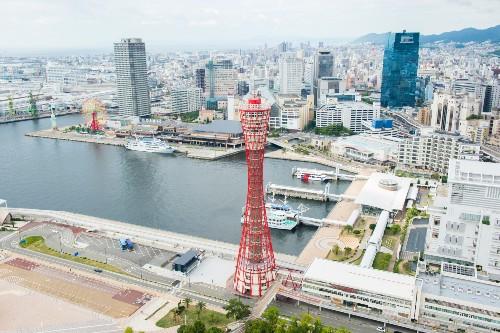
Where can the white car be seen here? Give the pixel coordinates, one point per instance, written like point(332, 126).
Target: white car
point(381, 329)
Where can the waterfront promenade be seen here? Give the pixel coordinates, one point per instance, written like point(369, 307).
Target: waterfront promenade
point(147, 236)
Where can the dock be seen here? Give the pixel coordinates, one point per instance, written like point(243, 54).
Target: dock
point(328, 174)
point(305, 193)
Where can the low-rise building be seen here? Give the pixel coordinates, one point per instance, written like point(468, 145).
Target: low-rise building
point(455, 300)
point(389, 294)
point(367, 148)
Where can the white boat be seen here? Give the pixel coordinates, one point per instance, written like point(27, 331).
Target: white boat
point(307, 177)
point(150, 145)
point(280, 216)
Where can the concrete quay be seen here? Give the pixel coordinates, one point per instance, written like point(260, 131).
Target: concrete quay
point(5, 120)
point(198, 152)
point(72, 136)
point(161, 239)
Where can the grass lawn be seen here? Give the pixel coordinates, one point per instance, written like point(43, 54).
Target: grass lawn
point(389, 241)
point(382, 261)
point(403, 267)
point(209, 317)
point(358, 261)
point(37, 243)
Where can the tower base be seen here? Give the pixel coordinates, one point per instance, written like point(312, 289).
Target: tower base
point(253, 283)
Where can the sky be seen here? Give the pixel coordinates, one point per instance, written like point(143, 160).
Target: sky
point(200, 24)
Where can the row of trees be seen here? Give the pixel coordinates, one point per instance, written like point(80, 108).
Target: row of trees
point(333, 130)
point(273, 322)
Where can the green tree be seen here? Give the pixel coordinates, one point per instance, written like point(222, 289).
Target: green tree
point(187, 301)
point(199, 327)
point(236, 309)
point(272, 315)
point(200, 307)
point(347, 251)
point(336, 249)
point(342, 330)
point(348, 228)
point(215, 330)
point(128, 330)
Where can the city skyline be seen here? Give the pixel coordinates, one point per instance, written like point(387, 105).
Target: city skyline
point(95, 25)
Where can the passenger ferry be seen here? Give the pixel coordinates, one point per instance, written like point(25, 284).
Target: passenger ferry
point(150, 145)
point(280, 216)
point(307, 177)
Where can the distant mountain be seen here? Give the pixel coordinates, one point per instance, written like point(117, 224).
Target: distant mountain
point(460, 36)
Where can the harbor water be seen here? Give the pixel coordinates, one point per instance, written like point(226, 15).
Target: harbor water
point(174, 193)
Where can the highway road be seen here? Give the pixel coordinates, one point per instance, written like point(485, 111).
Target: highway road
point(335, 319)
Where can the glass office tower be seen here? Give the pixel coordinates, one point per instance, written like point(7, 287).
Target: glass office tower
point(399, 74)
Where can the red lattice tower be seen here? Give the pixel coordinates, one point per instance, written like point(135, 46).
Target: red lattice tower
point(255, 266)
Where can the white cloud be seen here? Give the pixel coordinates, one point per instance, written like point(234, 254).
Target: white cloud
point(98, 23)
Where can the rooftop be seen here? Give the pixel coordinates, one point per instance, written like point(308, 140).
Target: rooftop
point(364, 142)
point(186, 257)
point(366, 279)
point(220, 126)
point(462, 289)
point(374, 195)
point(474, 171)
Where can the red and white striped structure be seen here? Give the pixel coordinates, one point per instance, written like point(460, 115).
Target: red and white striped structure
point(255, 266)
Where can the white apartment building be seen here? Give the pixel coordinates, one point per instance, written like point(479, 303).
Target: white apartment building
point(290, 73)
point(295, 113)
point(349, 114)
point(433, 150)
point(185, 100)
point(449, 111)
point(465, 226)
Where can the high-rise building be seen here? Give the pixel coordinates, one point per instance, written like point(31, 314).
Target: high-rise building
point(220, 78)
point(399, 73)
point(243, 88)
point(200, 78)
point(450, 111)
point(290, 73)
point(323, 67)
point(185, 100)
point(132, 78)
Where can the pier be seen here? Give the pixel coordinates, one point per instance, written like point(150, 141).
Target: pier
point(327, 174)
point(305, 193)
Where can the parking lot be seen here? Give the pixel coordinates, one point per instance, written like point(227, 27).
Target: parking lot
point(141, 254)
point(416, 240)
point(98, 247)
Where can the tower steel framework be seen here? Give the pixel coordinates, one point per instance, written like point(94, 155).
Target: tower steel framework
point(255, 266)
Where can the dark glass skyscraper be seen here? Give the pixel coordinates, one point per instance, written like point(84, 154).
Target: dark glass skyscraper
point(399, 74)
